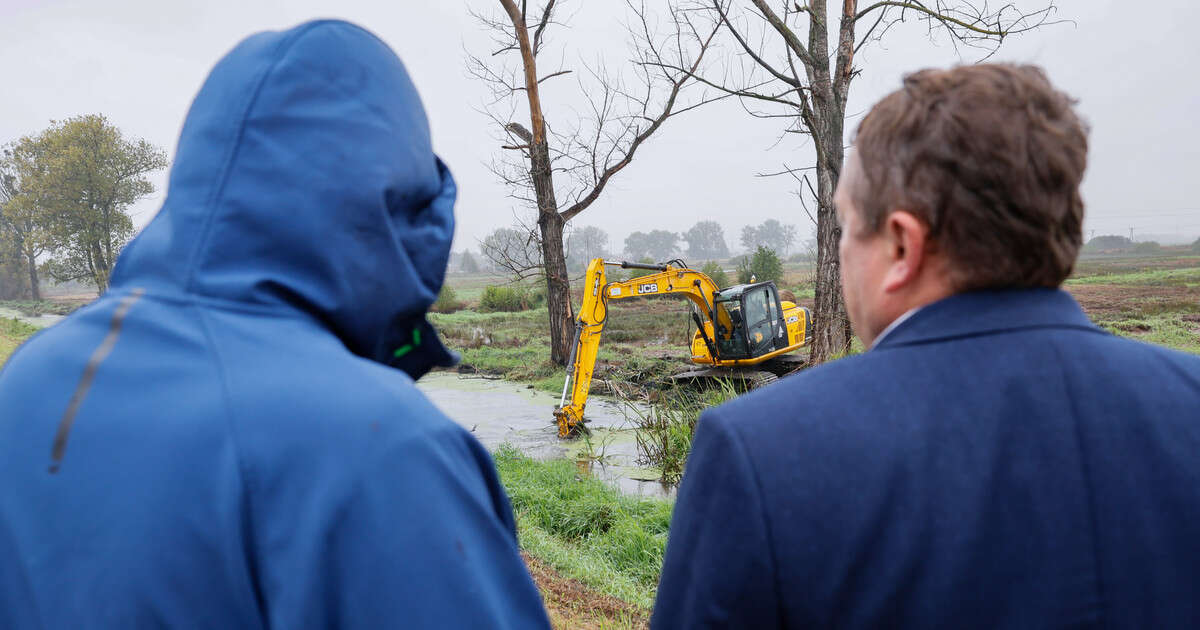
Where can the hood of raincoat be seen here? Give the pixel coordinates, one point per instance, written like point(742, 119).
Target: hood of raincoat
point(305, 180)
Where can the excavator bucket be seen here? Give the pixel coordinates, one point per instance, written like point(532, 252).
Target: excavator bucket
point(568, 422)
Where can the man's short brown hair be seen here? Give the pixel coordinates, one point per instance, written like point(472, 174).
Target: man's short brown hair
point(990, 158)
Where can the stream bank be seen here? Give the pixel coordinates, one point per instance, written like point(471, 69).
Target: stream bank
point(497, 411)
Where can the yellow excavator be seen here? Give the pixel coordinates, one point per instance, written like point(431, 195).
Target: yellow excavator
point(744, 331)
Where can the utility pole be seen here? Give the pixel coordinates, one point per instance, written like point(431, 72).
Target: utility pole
point(1130, 235)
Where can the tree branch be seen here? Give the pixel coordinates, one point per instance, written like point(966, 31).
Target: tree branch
point(942, 14)
point(786, 33)
point(541, 27)
point(627, 157)
point(750, 51)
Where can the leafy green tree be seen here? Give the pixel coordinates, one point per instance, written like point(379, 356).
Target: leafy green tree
point(1109, 242)
point(468, 264)
point(24, 220)
point(749, 237)
point(86, 174)
point(762, 266)
point(12, 271)
point(770, 234)
point(638, 273)
point(513, 250)
point(706, 241)
point(657, 245)
point(716, 273)
point(1147, 247)
point(584, 244)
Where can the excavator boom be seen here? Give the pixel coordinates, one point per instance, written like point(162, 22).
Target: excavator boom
point(737, 327)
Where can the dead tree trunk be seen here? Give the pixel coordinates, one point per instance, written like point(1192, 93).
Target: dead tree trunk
point(558, 287)
point(550, 223)
point(833, 329)
point(554, 265)
point(829, 90)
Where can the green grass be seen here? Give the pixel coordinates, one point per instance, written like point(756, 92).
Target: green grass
point(664, 429)
point(1151, 299)
point(513, 345)
point(469, 287)
point(1091, 266)
point(639, 340)
point(1168, 330)
point(12, 333)
point(1188, 277)
point(34, 308)
point(586, 529)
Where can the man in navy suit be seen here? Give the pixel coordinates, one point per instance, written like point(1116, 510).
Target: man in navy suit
point(994, 459)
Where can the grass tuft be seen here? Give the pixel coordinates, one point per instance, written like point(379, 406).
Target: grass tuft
point(13, 332)
point(664, 430)
point(586, 529)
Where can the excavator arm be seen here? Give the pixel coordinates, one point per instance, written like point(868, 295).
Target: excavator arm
point(667, 279)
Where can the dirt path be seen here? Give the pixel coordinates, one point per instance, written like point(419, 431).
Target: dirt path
point(575, 606)
point(1114, 300)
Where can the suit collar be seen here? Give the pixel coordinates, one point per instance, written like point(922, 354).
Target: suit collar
point(981, 312)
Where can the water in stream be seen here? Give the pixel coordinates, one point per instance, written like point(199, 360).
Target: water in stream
point(41, 321)
point(498, 411)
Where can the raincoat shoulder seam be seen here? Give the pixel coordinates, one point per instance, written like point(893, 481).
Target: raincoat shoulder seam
point(245, 475)
point(279, 52)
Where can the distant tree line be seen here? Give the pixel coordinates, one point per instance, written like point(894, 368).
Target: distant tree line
point(1116, 244)
point(515, 250)
point(64, 199)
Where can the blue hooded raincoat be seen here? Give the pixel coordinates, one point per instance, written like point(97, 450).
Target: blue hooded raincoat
point(230, 437)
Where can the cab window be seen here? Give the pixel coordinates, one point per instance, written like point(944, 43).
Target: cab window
point(761, 317)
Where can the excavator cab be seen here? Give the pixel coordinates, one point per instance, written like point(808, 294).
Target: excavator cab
point(749, 321)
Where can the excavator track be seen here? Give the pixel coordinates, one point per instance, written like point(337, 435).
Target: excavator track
point(749, 378)
point(743, 379)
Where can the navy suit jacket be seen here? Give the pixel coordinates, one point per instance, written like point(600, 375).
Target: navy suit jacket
point(996, 461)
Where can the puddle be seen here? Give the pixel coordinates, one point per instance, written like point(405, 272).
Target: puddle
point(498, 411)
point(41, 321)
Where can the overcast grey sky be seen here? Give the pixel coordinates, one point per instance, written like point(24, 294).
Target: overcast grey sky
point(140, 62)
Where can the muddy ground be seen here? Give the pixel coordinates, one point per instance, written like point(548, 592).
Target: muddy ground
point(573, 605)
point(1118, 300)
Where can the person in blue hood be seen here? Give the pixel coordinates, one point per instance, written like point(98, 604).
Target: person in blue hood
point(230, 437)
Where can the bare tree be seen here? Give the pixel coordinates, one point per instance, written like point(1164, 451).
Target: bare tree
point(780, 66)
point(514, 250)
point(561, 171)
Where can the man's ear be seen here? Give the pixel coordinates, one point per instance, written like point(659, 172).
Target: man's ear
point(905, 236)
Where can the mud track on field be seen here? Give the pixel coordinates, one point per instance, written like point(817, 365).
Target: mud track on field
point(1116, 300)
